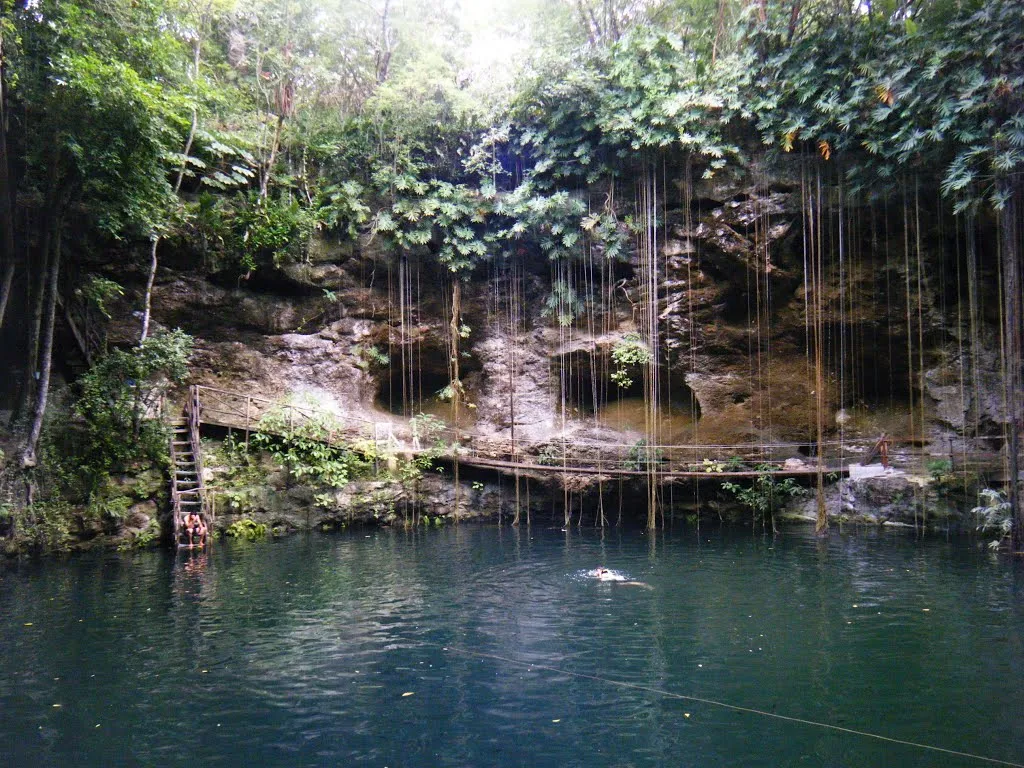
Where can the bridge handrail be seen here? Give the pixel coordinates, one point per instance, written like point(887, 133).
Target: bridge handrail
point(667, 457)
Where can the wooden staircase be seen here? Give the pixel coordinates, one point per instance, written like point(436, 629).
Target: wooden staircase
point(187, 491)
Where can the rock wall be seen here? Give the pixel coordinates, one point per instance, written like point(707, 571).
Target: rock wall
point(733, 314)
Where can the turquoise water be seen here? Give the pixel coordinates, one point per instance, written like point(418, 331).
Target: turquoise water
point(300, 652)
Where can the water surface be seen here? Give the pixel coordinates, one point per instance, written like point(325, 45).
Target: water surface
point(480, 646)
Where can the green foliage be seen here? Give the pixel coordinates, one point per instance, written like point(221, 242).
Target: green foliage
point(274, 230)
point(428, 431)
point(448, 391)
point(238, 478)
point(428, 435)
point(345, 115)
point(206, 224)
point(371, 357)
point(118, 400)
point(148, 537)
point(994, 515)
point(553, 222)
point(942, 476)
point(563, 304)
point(246, 529)
point(340, 208)
point(642, 456)
point(935, 94)
point(46, 525)
point(452, 217)
point(98, 291)
point(100, 79)
point(109, 506)
point(629, 353)
point(645, 92)
point(308, 444)
point(222, 162)
point(765, 494)
point(551, 455)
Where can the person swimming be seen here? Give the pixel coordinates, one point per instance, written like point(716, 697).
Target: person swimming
point(606, 574)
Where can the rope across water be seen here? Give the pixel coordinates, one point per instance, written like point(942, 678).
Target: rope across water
point(724, 705)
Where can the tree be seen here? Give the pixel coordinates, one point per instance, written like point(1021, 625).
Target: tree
point(102, 125)
point(7, 193)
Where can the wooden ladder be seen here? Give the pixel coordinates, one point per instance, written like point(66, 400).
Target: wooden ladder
point(187, 491)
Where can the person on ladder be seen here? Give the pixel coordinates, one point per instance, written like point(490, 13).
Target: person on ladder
point(195, 528)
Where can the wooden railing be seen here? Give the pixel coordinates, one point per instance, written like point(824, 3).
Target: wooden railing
point(86, 322)
point(176, 511)
point(193, 412)
point(190, 429)
point(247, 412)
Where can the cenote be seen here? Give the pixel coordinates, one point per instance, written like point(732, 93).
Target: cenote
point(477, 645)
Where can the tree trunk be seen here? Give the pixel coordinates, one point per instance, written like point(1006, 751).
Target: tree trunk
point(38, 299)
point(196, 51)
point(1009, 237)
point(383, 58)
point(6, 199)
point(5, 287)
point(155, 238)
point(28, 456)
point(154, 242)
point(269, 167)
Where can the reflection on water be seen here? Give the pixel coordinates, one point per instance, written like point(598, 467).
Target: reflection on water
point(441, 648)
